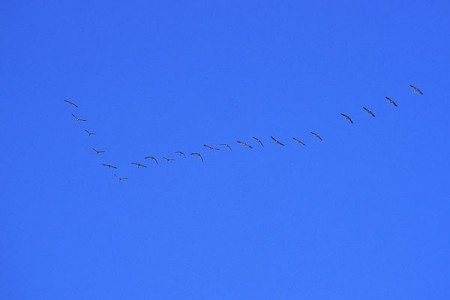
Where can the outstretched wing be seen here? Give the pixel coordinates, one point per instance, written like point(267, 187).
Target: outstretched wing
point(71, 103)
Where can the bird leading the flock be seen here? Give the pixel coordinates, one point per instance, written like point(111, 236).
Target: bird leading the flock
point(211, 148)
point(89, 133)
point(139, 165)
point(316, 135)
point(415, 89)
point(151, 157)
point(120, 178)
point(391, 101)
point(227, 146)
point(109, 166)
point(197, 154)
point(258, 140)
point(79, 119)
point(71, 103)
point(299, 141)
point(276, 141)
point(98, 151)
point(369, 112)
point(181, 153)
point(245, 144)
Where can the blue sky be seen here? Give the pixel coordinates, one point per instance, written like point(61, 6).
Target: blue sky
point(361, 215)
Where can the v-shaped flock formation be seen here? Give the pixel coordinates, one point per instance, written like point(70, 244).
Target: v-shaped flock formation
point(225, 146)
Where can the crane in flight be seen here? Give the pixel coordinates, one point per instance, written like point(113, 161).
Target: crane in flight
point(120, 178)
point(79, 119)
point(109, 166)
point(89, 133)
point(369, 112)
point(227, 146)
point(415, 89)
point(98, 151)
point(181, 153)
point(245, 144)
point(151, 157)
point(138, 165)
point(391, 101)
point(299, 141)
point(168, 159)
point(258, 140)
point(276, 141)
point(211, 148)
point(71, 103)
point(316, 135)
point(347, 117)
point(197, 154)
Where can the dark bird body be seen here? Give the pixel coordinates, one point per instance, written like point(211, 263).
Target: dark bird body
point(120, 178)
point(415, 89)
point(98, 151)
point(89, 133)
point(79, 119)
point(391, 101)
point(138, 165)
point(151, 157)
point(299, 141)
point(245, 144)
point(369, 112)
point(109, 166)
point(276, 141)
point(197, 154)
point(258, 140)
point(181, 153)
point(71, 103)
point(211, 148)
point(227, 146)
point(168, 159)
point(316, 135)
point(347, 117)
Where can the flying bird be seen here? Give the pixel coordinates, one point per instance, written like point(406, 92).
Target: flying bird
point(109, 166)
point(347, 117)
point(391, 101)
point(138, 165)
point(168, 159)
point(120, 178)
point(151, 157)
point(276, 141)
point(415, 89)
point(79, 119)
point(227, 146)
point(299, 141)
point(210, 148)
point(258, 140)
point(98, 151)
point(181, 153)
point(316, 135)
point(89, 133)
point(197, 154)
point(369, 112)
point(245, 144)
point(71, 103)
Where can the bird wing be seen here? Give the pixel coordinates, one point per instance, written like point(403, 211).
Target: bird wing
point(71, 103)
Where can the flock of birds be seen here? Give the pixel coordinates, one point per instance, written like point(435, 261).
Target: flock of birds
point(226, 146)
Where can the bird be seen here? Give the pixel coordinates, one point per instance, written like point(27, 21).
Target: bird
point(197, 154)
point(79, 119)
point(415, 89)
point(391, 101)
point(181, 153)
point(369, 112)
point(227, 146)
point(109, 166)
point(151, 157)
point(347, 117)
point(138, 165)
point(168, 159)
point(89, 133)
point(71, 103)
point(258, 140)
point(98, 151)
point(298, 141)
point(210, 148)
point(120, 178)
point(316, 135)
point(276, 141)
point(245, 144)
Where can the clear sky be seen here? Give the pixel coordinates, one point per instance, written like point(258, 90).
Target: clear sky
point(363, 214)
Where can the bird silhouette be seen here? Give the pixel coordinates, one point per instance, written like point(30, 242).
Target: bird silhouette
point(120, 178)
point(89, 133)
point(369, 112)
point(109, 166)
point(98, 151)
point(181, 153)
point(227, 146)
point(245, 144)
point(276, 141)
point(168, 159)
point(258, 140)
point(138, 165)
point(415, 89)
point(79, 119)
point(211, 148)
point(299, 141)
point(71, 103)
point(316, 135)
point(391, 101)
point(197, 154)
point(151, 157)
point(347, 117)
